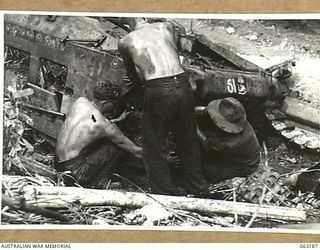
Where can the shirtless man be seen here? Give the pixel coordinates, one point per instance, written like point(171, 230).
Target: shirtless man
point(151, 56)
point(88, 142)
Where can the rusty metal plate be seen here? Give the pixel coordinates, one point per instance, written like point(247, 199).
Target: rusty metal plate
point(85, 65)
point(46, 121)
point(43, 98)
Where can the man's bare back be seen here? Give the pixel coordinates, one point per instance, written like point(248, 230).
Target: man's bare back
point(84, 125)
point(150, 53)
point(152, 50)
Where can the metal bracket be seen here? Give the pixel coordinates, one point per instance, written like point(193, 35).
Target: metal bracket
point(95, 43)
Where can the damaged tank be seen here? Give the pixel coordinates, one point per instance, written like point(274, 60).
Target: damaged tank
point(68, 54)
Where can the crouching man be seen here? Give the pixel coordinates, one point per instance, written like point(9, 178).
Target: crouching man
point(229, 142)
point(89, 143)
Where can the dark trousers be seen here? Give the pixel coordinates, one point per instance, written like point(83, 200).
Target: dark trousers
point(217, 170)
point(169, 106)
point(94, 161)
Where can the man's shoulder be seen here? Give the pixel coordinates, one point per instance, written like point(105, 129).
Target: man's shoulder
point(165, 26)
point(124, 41)
point(81, 108)
point(81, 100)
point(156, 27)
point(248, 129)
point(82, 104)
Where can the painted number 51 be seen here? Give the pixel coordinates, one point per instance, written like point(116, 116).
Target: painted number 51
point(231, 86)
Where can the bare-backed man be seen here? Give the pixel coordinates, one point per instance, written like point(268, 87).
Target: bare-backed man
point(88, 142)
point(151, 56)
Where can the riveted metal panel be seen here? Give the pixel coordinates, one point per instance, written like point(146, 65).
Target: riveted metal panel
point(85, 65)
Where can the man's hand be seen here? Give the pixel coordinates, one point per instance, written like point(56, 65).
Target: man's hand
point(196, 77)
point(173, 161)
point(200, 110)
point(121, 117)
point(138, 152)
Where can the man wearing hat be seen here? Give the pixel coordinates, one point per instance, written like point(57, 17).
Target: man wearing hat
point(230, 143)
point(90, 143)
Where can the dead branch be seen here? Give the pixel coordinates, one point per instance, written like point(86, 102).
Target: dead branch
point(19, 203)
point(59, 197)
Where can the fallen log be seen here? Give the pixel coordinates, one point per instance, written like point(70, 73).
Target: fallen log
point(59, 197)
point(19, 204)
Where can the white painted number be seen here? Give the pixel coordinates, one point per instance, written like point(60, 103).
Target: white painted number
point(237, 86)
point(231, 86)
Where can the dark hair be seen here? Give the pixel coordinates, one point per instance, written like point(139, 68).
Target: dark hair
point(131, 21)
point(155, 20)
point(106, 90)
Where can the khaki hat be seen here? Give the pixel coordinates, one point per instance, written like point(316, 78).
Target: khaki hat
point(228, 114)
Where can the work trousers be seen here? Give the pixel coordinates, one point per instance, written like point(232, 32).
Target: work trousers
point(220, 170)
point(93, 161)
point(169, 106)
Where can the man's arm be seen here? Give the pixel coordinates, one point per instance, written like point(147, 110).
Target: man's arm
point(121, 117)
point(212, 142)
point(110, 130)
point(196, 77)
point(200, 110)
point(202, 139)
point(131, 70)
point(180, 37)
point(174, 31)
point(114, 134)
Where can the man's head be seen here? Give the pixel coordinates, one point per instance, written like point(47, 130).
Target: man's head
point(132, 22)
point(155, 19)
point(106, 96)
point(228, 114)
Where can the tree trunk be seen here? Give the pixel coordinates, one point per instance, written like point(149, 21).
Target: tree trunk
point(45, 196)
